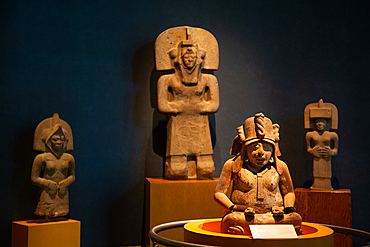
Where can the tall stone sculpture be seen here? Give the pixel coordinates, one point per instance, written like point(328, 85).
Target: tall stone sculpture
point(53, 170)
point(188, 96)
point(321, 143)
point(262, 189)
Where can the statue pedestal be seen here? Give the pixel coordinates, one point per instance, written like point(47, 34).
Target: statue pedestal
point(208, 232)
point(174, 200)
point(327, 207)
point(36, 233)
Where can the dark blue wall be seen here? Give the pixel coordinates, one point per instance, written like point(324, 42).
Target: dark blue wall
point(93, 63)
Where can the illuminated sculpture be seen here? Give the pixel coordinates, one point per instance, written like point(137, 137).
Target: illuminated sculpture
point(188, 96)
point(53, 170)
point(321, 143)
point(262, 189)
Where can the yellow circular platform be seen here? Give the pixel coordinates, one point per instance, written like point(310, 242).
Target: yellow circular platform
point(208, 232)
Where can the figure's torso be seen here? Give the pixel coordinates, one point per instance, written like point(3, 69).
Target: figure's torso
point(190, 95)
point(56, 169)
point(260, 190)
point(322, 140)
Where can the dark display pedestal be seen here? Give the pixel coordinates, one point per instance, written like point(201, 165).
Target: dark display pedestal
point(327, 207)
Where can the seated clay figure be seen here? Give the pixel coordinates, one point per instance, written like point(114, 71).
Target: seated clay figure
point(262, 189)
point(54, 170)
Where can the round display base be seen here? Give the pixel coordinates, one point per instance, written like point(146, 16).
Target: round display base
point(208, 232)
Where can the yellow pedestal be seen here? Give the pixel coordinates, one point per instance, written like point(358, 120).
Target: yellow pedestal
point(174, 200)
point(40, 233)
point(208, 232)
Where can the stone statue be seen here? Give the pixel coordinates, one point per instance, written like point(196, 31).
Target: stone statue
point(262, 189)
point(321, 143)
point(54, 170)
point(188, 96)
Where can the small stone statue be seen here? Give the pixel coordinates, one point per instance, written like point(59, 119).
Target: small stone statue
point(321, 143)
point(188, 96)
point(262, 190)
point(54, 170)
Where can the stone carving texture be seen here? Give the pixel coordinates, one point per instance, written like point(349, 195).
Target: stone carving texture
point(262, 189)
point(321, 143)
point(54, 169)
point(188, 96)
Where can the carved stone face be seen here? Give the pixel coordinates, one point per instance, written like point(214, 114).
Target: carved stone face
point(320, 124)
point(189, 59)
point(259, 153)
point(57, 142)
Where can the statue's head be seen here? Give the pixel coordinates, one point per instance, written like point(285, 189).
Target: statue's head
point(320, 124)
point(259, 153)
point(256, 140)
point(56, 139)
point(188, 60)
point(189, 56)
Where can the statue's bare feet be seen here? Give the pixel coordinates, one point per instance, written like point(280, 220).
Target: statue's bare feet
point(277, 211)
point(249, 211)
point(238, 230)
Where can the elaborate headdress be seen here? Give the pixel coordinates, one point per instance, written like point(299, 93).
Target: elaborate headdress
point(49, 127)
point(257, 128)
point(327, 111)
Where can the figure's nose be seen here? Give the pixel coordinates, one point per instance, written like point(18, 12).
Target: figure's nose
point(260, 151)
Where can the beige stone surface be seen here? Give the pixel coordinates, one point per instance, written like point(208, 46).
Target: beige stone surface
point(54, 169)
point(262, 190)
point(187, 95)
point(321, 143)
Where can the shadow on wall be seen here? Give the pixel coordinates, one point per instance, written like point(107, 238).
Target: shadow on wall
point(154, 136)
point(125, 217)
point(22, 194)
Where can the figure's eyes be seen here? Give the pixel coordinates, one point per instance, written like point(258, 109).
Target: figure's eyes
point(266, 147)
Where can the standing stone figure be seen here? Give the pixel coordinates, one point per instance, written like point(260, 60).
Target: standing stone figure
point(321, 143)
point(188, 95)
point(53, 170)
point(262, 188)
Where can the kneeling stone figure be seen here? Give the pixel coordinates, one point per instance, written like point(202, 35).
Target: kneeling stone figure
point(262, 188)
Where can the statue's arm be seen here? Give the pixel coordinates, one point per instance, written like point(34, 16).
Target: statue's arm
point(308, 142)
point(286, 186)
point(163, 94)
point(212, 102)
point(222, 187)
point(335, 140)
point(37, 167)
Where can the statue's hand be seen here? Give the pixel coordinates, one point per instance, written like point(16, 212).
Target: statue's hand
point(52, 188)
point(326, 152)
point(62, 188)
point(316, 151)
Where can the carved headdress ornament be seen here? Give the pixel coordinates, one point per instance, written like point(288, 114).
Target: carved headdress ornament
point(169, 43)
point(327, 111)
point(257, 128)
